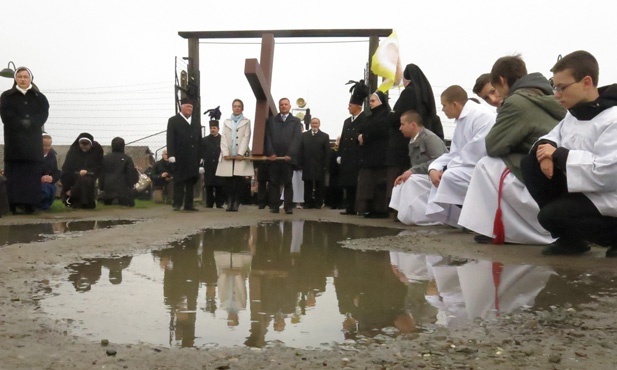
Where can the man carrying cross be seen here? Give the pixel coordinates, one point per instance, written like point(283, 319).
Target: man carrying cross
point(282, 147)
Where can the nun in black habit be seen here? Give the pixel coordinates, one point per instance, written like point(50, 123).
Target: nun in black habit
point(24, 111)
point(81, 168)
point(417, 96)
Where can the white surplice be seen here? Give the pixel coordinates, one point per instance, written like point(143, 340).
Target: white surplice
point(519, 209)
point(591, 167)
point(467, 148)
point(407, 196)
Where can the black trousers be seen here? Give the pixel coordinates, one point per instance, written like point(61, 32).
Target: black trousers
point(280, 174)
point(350, 199)
point(313, 194)
point(214, 194)
point(568, 216)
point(183, 193)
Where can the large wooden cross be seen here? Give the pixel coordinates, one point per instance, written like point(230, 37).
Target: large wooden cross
point(260, 79)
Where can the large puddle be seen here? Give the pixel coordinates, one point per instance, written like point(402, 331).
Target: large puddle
point(292, 283)
point(29, 233)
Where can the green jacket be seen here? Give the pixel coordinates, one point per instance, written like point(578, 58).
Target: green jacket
point(529, 111)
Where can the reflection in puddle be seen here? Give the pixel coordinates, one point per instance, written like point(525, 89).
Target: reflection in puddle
point(292, 283)
point(28, 233)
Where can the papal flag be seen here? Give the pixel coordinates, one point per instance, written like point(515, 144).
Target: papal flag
point(386, 62)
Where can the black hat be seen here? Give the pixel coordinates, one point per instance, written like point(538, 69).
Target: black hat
point(214, 123)
point(214, 113)
point(186, 101)
point(359, 91)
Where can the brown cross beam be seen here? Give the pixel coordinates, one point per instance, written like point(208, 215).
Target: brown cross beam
point(260, 79)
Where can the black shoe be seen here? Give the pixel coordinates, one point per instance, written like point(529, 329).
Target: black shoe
point(210, 206)
point(274, 210)
point(348, 213)
point(261, 206)
point(611, 252)
point(191, 209)
point(289, 211)
point(483, 239)
point(175, 209)
point(566, 248)
point(376, 215)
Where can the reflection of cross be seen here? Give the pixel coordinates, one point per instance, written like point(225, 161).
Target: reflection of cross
point(260, 78)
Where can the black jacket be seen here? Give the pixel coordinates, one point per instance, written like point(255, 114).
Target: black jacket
point(315, 155)
point(375, 136)
point(184, 143)
point(210, 153)
point(50, 166)
point(349, 150)
point(23, 117)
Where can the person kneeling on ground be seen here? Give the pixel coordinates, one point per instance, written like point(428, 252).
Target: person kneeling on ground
point(81, 168)
point(119, 176)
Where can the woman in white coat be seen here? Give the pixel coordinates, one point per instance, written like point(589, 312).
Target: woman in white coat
point(234, 164)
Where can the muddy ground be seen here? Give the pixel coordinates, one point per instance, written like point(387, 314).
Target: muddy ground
point(571, 337)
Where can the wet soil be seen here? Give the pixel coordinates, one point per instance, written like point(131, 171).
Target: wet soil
point(568, 336)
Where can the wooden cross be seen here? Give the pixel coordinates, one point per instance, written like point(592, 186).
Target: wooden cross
point(260, 79)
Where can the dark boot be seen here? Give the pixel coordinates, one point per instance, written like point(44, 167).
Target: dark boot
point(236, 203)
point(230, 203)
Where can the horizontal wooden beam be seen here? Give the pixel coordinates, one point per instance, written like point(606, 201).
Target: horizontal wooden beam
point(285, 33)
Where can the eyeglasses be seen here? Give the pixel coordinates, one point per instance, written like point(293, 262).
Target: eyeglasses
point(561, 88)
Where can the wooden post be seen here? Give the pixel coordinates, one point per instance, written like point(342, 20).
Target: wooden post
point(194, 76)
point(373, 43)
point(259, 76)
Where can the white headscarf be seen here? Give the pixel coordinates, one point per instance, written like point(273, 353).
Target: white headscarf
point(23, 91)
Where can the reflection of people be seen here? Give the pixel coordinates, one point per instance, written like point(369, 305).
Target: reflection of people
point(490, 288)
point(233, 270)
point(529, 111)
point(50, 174)
point(412, 187)
point(115, 266)
point(81, 168)
point(183, 143)
point(24, 110)
point(571, 171)
point(315, 154)
point(234, 166)
point(118, 176)
point(282, 140)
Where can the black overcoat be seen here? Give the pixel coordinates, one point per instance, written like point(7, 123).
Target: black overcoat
point(375, 138)
point(315, 154)
point(118, 177)
point(23, 117)
point(211, 153)
point(183, 143)
point(349, 151)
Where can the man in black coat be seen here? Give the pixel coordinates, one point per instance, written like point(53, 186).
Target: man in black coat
point(349, 147)
point(211, 151)
point(315, 151)
point(282, 141)
point(183, 148)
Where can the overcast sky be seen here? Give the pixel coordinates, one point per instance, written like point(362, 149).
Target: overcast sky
point(107, 67)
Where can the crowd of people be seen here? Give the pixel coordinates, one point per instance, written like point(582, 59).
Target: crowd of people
point(539, 168)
